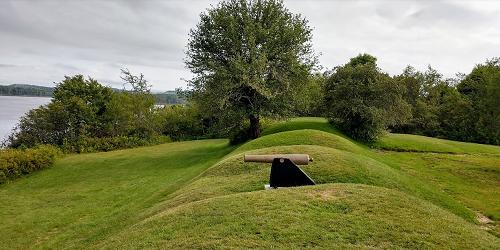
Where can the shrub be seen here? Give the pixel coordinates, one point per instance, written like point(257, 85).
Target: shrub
point(99, 144)
point(239, 136)
point(362, 101)
point(83, 108)
point(182, 122)
point(18, 162)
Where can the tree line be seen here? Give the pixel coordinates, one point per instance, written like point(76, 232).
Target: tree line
point(365, 102)
point(25, 90)
point(254, 60)
point(165, 98)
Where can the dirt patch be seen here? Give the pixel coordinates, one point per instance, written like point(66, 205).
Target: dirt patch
point(483, 219)
point(485, 222)
point(328, 195)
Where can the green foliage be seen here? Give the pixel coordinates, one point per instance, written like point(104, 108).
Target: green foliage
point(481, 91)
point(131, 114)
point(362, 101)
point(308, 101)
point(467, 111)
point(83, 102)
point(15, 163)
point(455, 114)
point(425, 92)
point(104, 144)
point(43, 125)
point(84, 113)
point(193, 195)
point(249, 59)
point(76, 110)
point(181, 122)
point(168, 97)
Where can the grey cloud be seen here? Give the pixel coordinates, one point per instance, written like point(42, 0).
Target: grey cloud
point(48, 39)
point(2, 65)
point(444, 13)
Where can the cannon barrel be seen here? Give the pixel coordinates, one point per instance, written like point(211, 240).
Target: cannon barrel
point(299, 159)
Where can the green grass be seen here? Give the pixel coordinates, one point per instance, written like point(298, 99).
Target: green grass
point(471, 179)
point(85, 198)
point(417, 143)
point(327, 216)
point(301, 137)
point(403, 192)
point(330, 166)
point(316, 123)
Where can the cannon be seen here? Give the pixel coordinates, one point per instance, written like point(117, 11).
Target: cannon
point(284, 169)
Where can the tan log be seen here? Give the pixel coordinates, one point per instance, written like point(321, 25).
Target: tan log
point(299, 159)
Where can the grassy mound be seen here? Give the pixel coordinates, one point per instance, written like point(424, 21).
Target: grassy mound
point(391, 142)
point(200, 194)
point(298, 123)
point(417, 143)
point(326, 216)
point(301, 137)
point(331, 165)
point(471, 179)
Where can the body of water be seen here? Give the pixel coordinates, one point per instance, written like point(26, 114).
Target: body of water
point(13, 107)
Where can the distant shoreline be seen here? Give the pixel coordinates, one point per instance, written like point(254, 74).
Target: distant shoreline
point(45, 96)
point(161, 98)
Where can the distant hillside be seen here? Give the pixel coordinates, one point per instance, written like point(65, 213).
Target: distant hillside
point(167, 97)
point(25, 90)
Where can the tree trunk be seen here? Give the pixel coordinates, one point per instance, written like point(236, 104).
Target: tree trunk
point(254, 130)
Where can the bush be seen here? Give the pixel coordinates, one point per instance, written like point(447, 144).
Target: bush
point(362, 101)
point(182, 122)
point(18, 162)
point(95, 144)
point(240, 136)
point(82, 109)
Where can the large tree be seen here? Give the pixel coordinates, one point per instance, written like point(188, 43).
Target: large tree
point(76, 110)
point(481, 89)
point(363, 101)
point(249, 58)
point(425, 92)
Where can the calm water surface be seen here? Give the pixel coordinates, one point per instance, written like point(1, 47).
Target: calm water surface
point(13, 107)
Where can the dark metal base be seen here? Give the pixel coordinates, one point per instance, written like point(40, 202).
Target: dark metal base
point(284, 173)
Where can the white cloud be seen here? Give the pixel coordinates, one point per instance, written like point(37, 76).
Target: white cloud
point(41, 41)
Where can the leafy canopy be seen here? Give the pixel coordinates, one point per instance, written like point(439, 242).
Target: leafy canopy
point(248, 58)
point(82, 109)
point(481, 88)
point(362, 101)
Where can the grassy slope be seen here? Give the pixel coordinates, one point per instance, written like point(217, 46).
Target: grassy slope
point(334, 162)
point(85, 198)
point(469, 172)
point(209, 211)
point(472, 179)
point(148, 197)
point(417, 143)
point(327, 216)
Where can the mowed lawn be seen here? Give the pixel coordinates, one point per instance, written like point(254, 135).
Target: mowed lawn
point(87, 197)
point(405, 191)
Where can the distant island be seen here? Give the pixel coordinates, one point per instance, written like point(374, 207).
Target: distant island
point(26, 90)
point(167, 97)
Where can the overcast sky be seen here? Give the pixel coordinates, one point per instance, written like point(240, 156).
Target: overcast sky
point(41, 41)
